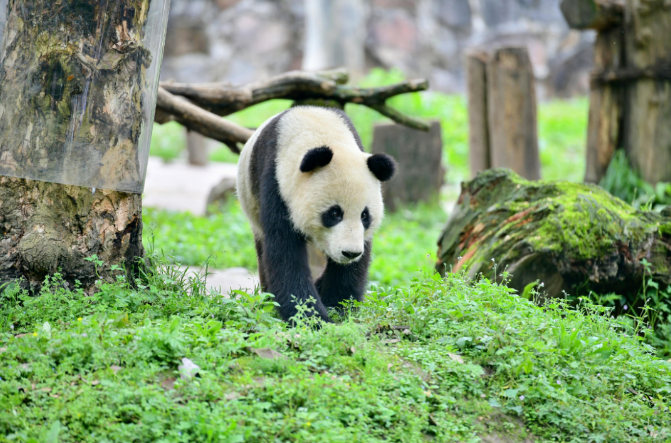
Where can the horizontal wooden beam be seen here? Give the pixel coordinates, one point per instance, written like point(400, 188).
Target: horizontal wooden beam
point(593, 14)
point(660, 72)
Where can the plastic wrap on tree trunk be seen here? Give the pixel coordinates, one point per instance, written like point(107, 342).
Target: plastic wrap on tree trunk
point(78, 85)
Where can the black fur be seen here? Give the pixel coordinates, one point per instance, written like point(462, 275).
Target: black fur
point(344, 282)
point(282, 254)
point(316, 158)
point(382, 166)
point(332, 216)
point(366, 218)
point(283, 259)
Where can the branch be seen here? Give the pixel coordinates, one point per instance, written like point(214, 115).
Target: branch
point(593, 14)
point(224, 99)
point(194, 118)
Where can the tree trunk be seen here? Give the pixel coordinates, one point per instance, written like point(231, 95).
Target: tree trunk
point(335, 35)
point(420, 167)
point(478, 136)
point(605, 106)
point(511, 96)
point(647, 132)
point(76, 80)
point(47, 227)
point(572, 237)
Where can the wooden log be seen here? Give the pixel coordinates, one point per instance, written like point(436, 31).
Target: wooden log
point(593, 14)
point(647, 131)
point(605, 106)
point(572, 237)
point(511, 105)
point(419, 155)
point(478, 136)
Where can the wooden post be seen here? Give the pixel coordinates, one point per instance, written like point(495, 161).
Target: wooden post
point(630, 98)
point(196, 148)
point(647, 131)
point(419, 155)
point(605, 106)
point(478, 136)
point(511, 106)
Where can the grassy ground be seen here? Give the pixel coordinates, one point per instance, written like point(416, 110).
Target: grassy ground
point(404, 246)
point(438, 359)
point(562, 128)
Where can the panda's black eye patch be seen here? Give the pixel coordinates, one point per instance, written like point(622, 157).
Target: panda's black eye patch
point(366, 219)
point(332, 216)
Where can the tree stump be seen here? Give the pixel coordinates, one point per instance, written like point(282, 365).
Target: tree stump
point(572, 237)
point(419, 154)
point(502, 111)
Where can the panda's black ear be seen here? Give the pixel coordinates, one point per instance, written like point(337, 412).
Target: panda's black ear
point(382, 166)
point(316, 158)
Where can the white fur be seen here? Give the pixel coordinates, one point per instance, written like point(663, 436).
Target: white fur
point(346, 181)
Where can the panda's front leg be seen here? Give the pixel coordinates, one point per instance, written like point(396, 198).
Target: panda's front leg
point(344, 282)
point(285, 259)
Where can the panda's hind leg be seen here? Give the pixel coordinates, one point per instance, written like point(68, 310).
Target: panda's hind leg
point(344, 282)
point(262, 267)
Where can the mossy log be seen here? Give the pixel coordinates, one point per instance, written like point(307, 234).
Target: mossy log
point(572, 237)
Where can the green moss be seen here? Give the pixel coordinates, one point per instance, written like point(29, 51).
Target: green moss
point(505, 217)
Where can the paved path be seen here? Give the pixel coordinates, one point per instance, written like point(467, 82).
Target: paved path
point(179, 186)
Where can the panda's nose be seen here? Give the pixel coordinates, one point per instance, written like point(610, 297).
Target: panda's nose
point(350, 254)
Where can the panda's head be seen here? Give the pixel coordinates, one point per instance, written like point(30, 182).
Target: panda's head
point(332, 188)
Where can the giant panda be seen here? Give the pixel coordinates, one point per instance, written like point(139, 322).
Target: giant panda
point(305, 182)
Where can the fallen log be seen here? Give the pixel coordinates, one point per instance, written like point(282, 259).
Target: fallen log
point(572, 237)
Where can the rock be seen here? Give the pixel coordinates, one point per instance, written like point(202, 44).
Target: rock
point(571, 237)
point(220, 193)
point(453, 13)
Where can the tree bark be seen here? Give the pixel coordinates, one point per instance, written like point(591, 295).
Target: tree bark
point(511, 96)
point(49, 227)
point(605, 106)
point(420, 168)
point(572, 237)
point(647, 131)
point(478, 136)
point(72, 79)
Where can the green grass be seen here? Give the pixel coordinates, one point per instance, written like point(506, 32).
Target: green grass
point(438, 359)
point(562, 129)
point(405, 244)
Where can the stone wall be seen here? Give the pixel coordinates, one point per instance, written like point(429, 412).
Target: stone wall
point(243, 40)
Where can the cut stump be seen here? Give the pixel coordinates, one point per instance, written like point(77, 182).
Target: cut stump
point(420, 173)
point(572, 237)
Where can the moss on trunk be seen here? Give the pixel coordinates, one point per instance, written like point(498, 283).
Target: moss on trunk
point(573, 237)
